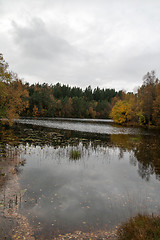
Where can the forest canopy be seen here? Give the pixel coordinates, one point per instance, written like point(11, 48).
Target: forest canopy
point(43, 100)
point(143, 107)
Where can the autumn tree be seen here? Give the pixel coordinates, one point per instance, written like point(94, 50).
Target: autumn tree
point(67, 109)
point(5, 77)
point(121, 112)
point(143, 107)
point(17, 99)
point(35, 111)
point(3, 96)
point(13, 95)
point(156, 105)
point(146, 97)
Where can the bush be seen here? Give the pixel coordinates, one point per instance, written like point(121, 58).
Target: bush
point(141, 227)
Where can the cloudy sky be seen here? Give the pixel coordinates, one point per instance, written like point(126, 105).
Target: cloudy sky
point(110, 44)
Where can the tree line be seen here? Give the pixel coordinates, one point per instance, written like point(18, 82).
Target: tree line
point(142, 108)
point(64, 101)
point(43, 100)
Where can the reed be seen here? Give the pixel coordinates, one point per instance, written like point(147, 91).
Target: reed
point(140, 227)
point(75, 154)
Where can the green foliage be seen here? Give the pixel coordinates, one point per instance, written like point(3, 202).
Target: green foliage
point(75, 154)
point(140, 228)
point(64, 101)
point(42, 100)
point(141, 118)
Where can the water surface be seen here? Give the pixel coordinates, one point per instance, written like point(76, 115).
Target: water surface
point(115, 177)
point(85, 125)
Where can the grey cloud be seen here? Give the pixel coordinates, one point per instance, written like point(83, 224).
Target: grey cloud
point(35, 40)
point(104, 43)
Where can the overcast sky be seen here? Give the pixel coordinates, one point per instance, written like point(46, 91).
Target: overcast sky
point(105, 43)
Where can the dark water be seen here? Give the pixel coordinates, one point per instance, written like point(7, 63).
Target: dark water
point(115, 176)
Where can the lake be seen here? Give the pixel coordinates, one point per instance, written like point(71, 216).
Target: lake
point(77, 175)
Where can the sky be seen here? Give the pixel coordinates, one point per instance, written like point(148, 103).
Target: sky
point(104, 43)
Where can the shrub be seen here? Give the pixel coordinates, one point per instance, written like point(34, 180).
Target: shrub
point(141, 227)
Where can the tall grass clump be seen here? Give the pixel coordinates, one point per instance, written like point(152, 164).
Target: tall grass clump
point(141, 227)
point(75, 154)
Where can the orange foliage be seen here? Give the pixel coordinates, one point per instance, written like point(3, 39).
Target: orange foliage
point(16, 100)
point(13, 95)
point(92, 112)
point(35, 111)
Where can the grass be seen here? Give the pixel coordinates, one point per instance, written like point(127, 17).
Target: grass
point(141, 227)
point(75, 154)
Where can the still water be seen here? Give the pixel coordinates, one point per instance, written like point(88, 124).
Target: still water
point(115, 175)
point(85, 125)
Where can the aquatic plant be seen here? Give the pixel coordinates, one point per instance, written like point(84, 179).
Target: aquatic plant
point(75, 154)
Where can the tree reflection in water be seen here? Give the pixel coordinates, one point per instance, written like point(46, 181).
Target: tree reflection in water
point(100, 184)
point(144, 151)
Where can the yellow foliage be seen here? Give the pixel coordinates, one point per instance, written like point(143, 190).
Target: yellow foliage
point(121, 112)
point(35, 111)
point(16, 100)
point(13, 95)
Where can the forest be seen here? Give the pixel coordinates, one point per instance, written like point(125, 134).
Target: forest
point(142, 108)
point(18, 99)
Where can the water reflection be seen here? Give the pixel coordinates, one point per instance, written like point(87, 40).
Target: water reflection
point(10, 159)
point(144, 150)
point(145, 153)
point(11, 163)
point(103, 127)
point(114, 177)
point(98, 191)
